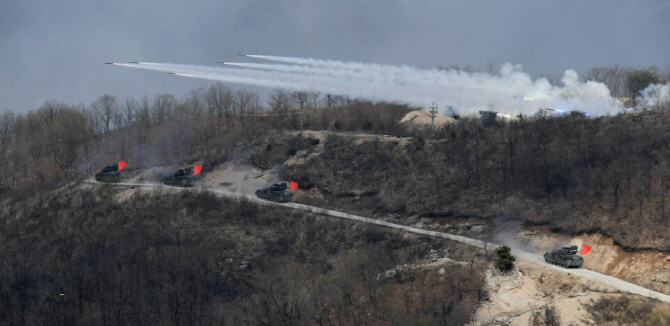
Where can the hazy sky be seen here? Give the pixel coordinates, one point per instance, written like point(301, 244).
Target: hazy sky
point(56, 49)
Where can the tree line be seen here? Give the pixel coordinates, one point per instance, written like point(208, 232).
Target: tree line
point(60, 142)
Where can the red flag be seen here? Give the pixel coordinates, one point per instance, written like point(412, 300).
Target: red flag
point(585, 249)
point(294, 185)
point(197, 168)
point(122, 164)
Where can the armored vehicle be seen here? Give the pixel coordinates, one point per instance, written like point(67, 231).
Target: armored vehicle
point(565, 257)
point(488, 117)
point(110, 173)
point(277, 192)
point(181, 178)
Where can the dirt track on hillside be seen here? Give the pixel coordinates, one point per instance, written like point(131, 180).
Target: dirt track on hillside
point(616, 283)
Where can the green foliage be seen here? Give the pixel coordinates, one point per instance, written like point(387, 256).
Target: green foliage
point(639, 79)
point(292, 151)
point(505, 261)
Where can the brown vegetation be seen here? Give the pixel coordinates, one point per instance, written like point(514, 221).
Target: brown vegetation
point(76, 257)
point(73, 256)
point(624, 310)
point(605, 174)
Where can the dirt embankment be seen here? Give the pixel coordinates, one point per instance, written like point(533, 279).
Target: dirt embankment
point(646, 268)
point(515, 297)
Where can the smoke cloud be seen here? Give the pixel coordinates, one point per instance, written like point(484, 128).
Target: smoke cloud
point(510, 91)
point(654, 95)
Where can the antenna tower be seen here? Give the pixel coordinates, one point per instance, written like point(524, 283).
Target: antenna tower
point(433, 113)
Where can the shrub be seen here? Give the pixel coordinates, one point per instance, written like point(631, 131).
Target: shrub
point(505, 259)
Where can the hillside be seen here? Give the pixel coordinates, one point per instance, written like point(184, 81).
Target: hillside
point(89, 256)
point(80, 254)
point(605, 175)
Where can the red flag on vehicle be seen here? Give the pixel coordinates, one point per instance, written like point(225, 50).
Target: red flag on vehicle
point(121, 164)
point(294, 185)
point(197, 168)
point(585, 249)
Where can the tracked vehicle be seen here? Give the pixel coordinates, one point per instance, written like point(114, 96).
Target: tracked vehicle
point(565, 257)
point(110, 173)
point(277, 192)
point(488, 117)
point(181, 178)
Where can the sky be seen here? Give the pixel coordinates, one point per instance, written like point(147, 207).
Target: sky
point(56, 50)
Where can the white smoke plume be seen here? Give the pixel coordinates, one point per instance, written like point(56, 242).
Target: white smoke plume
point(654, 95)
point(510, 91)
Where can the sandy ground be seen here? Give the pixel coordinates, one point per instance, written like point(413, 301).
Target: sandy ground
point(647, 268)
point(239, 178)
point(515, 296)
point(421, 119)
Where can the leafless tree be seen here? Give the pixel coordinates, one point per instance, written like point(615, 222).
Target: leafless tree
point(301, 98)
point(219, 99)
point(6, 127)
point(612, 76)
point(69, 130)
point(196, 103)
point(106, 107)
point(162, 107)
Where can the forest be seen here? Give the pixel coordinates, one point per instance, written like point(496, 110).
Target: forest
point(75, 257)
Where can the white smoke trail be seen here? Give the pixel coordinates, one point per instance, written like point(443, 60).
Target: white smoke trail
point(283, 80)
point(299, 69)
point(511, 91)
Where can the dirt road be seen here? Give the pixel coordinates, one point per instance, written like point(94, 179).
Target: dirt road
point(619, 284)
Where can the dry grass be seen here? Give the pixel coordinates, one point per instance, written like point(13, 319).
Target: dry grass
point(628, 310)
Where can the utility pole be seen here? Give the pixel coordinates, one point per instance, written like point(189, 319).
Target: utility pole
point(433, 113)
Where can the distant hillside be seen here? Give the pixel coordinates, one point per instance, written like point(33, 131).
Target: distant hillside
point(608, 175)
point(576, 174)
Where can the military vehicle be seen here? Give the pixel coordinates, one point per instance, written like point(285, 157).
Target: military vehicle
point(488, 117)
point(110, 173)
point(277, 192)
point(181, 178)
point(565, 257)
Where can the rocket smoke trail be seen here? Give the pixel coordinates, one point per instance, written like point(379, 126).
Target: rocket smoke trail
point(510, 91)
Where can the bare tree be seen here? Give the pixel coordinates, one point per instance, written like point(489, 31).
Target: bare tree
point(301, 98)
point(612, 76)
point(280, 101)
point(106, 107)
point(162, 107)
point(196, 103)
point(219, 100)
point(548, 317)
point(6, 127)
point(69, 129)
point(129, 113)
